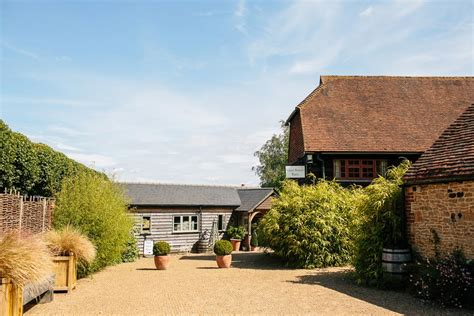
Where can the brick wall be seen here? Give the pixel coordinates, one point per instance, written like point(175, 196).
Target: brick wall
point(448, 208)
point(296, 145)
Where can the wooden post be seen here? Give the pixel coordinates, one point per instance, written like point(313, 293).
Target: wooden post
point(21, 213)
point(44, 213)
point(11, 298)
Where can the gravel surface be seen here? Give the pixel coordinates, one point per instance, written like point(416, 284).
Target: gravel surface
point(256, 284)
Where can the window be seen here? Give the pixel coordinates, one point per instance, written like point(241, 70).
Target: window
point(359, 168)
point(220, 222)
point(187, 223)
point(146, 224)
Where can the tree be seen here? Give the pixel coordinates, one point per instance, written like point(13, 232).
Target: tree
point(273, 157)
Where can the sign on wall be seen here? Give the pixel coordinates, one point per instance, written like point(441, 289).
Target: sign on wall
point(148, 247)
point(295, 172)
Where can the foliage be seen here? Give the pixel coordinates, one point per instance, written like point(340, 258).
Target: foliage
point(448, 280)
point(310, 226)
point(31, 168)
point(69, 240)
point(380, 224)
point(223, 247)
point(273, 157)
point(254, 239)
point(24, 258)
point(161, 248)
point(236, 232)
point(131, 252)
point(99, 209)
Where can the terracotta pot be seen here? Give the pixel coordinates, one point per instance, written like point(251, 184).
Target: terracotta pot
point(162, 262)
point(253, 248)
point(224, 261)
point(236, 244)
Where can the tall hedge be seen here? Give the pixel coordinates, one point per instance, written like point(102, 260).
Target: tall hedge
point(31, 168)
point(310, 226)
point(98, 207)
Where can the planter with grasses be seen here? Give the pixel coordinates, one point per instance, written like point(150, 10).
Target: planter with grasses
point(70, 247)
point(24, 261)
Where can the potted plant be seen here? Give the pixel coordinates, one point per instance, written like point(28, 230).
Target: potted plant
point(254, 240)
point(161, 251)
point(236, 233)
point(223, 251)
point(68, 245)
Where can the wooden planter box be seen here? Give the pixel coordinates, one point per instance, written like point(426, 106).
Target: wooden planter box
point(11, 298)
point(65, 268)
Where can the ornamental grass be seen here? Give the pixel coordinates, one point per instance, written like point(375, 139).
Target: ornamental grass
point(69, 240)
point(24, 258)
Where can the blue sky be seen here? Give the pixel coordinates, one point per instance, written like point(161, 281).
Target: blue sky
point(186, 91)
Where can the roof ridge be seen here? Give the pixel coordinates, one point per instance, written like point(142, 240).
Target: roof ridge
point(183, 184)
point(325, 77)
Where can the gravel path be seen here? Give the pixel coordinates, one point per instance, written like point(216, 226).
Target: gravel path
point(255, 285)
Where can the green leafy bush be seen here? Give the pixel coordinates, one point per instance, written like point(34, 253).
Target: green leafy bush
point(161, 248)
point(236, 232)
point(310, 226)
point(99, 209)
point(131, 252)
point(223, 248)
point(448, 280)
point(379, 226)
point(31, 168)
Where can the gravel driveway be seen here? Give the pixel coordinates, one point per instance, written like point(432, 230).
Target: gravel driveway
point(257, 284)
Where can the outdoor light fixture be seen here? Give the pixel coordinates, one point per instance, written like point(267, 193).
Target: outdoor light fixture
point(309, 158)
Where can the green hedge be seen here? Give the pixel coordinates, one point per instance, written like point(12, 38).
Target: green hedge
point(31, 168)
point(99, 209)
point(310, 226)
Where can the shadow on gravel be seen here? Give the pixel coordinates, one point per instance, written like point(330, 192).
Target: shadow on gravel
point(145, 269)
point(396, 301)
point(247, 260)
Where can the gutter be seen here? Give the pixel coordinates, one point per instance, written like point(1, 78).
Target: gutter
point(438, 180)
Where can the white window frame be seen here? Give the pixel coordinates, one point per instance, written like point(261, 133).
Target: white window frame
point(190, 221)
point(143, 219)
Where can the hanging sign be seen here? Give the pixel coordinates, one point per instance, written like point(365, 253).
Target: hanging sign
point(295, 172)
point(148, 247)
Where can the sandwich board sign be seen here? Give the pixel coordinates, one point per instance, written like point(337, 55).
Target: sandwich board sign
point(148, 247)
point(295, 172)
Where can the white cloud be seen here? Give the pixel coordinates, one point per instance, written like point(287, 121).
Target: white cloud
point(93, 160)
point(241, 8)
point(367, 12)
point(20, 51)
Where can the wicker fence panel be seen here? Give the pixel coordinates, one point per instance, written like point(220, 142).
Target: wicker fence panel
point(32, 214)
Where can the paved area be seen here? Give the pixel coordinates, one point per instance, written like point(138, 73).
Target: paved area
point(257, 284)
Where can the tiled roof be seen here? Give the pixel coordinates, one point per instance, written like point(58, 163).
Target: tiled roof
point(381, 113)
point(451, 155)
point(181, 195)
point(251, 198)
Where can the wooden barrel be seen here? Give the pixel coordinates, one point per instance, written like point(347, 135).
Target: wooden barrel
point(202, 246)
point(394, 261)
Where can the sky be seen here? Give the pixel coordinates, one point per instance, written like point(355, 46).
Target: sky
point(187, 91)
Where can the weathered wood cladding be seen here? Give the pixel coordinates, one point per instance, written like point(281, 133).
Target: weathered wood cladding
point(162, 224)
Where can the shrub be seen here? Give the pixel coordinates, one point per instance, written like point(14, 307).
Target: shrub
point(223, 248)
point(310, 226)
point(131, 252)
point(161, 248)
point(98, 208)
point(448, 280)
point(236, 232)
point(380, 224)
point(24, 258)
point(68, 240)
point(254, 239)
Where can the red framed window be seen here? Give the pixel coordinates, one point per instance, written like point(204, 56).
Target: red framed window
point(359, 168)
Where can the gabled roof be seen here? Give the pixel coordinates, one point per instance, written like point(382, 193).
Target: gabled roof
point(381, 113)
point(251, 198)
point(451, 156)
point(142, 194)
